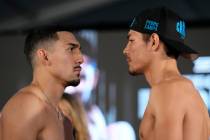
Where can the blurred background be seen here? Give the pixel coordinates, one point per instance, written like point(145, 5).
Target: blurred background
point(101, 26)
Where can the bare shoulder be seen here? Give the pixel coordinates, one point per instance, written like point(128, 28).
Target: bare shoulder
point(174, 93)
point(176, 105)
point(24, 100)
point(175, 88)
point(179, 94)
point(23, 108)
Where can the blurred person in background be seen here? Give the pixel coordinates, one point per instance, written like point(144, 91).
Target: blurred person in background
point(95, 119)
point(97, 126)
point(86, 91)
point(74, 111)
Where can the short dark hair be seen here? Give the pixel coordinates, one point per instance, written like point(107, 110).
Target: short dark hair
point(34, 38)
point(170, 51)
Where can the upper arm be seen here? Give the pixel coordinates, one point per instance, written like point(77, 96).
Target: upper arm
point(21, 119)
point(169, 114)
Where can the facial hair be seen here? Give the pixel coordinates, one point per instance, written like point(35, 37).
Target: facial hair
point(135, 72)
point(73, 83)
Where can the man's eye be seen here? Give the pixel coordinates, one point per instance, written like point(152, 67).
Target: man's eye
point(71, 48)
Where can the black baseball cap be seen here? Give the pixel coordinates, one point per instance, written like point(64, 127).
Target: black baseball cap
point(168, 25)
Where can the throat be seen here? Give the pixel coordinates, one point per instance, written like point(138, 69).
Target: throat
point(51, 104)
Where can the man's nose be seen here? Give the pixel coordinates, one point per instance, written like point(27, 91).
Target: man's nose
point(125, 50)
point(80, 58)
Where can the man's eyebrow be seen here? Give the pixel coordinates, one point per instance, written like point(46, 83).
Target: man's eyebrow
point(74, 44)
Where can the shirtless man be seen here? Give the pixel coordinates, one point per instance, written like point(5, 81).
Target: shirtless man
point(175, 110)
point(32, 113)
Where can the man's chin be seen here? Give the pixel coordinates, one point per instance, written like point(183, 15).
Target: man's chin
point(134, 73)
point(74, 83)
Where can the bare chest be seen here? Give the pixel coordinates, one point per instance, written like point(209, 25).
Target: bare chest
point(146, 130)
point(54, 129)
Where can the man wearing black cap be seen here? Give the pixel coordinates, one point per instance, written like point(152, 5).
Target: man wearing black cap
point(175, 110)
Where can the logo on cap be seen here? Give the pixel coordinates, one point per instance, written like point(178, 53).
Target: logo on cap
point(151, 25)
point(134, 20)
point(180, 28)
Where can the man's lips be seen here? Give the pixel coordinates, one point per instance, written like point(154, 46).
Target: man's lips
point(128, 59)
point(77, 68)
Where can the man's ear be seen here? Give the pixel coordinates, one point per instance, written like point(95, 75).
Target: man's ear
point(155, 41)
point(42, 55)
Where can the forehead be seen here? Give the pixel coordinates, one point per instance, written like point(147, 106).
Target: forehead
point(67, 37)
point(133, 33)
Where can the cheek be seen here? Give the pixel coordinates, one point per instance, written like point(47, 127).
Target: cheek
point(139, 59)
point(137, 54)
point(62, 64)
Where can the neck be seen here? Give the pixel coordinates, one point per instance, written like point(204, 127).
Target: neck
point(161, 70)
point(51, 87)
